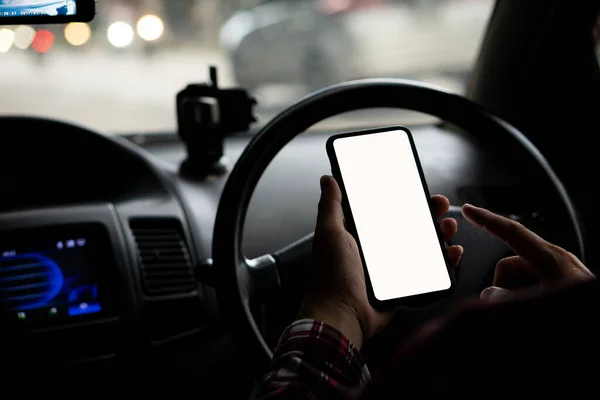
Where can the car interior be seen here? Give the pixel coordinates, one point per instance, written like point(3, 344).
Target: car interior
point(187, 249)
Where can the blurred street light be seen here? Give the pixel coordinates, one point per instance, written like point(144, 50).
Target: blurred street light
point(78, 33)
point(6, 39)
point(24, 36)
point(150, 27)
point(43, 41)
point(120, 34)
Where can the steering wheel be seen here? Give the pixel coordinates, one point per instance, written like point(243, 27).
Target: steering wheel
point(240, 280)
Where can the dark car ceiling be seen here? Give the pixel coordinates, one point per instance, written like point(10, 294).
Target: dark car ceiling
point(284, 206)
point(538, 69)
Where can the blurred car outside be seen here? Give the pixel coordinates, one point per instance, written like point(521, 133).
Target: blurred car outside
point(318, 43)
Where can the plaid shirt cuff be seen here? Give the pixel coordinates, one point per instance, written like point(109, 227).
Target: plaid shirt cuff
point(314, 360)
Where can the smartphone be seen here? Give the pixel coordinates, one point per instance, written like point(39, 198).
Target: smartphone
point(18, 12)
point(387, 208)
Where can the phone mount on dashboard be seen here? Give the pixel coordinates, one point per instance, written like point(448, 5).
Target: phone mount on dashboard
point(206, 114)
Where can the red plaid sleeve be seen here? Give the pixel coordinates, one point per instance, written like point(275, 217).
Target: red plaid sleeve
point(314, 361)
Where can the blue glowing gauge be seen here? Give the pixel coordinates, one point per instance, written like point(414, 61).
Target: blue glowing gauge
point(28, 281)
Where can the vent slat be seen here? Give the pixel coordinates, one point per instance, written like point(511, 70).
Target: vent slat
point(159, 236)
point(156, 279)
point(160, 245)
point(166, 266)
point(179, 283)
point(163, 256)
point(165, 259)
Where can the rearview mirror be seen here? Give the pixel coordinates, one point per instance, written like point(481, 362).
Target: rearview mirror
point(18, 12)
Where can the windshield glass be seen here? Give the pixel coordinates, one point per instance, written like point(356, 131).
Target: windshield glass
point(120, 73)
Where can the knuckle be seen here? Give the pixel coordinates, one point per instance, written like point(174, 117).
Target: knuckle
point(556, 249)
point(514, 227)
point(328, 227)
point(572, 256)
point(557, 253)
point(557, 259)
point(502, 264)
point(323, 203)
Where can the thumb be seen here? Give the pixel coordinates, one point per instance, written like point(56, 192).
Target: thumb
point(496, 294)
point(330, 214)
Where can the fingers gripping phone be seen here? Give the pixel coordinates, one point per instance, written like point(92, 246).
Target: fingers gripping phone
point(387, 208)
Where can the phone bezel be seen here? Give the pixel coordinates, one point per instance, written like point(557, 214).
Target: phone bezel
point(408, 301)
point(86, 11)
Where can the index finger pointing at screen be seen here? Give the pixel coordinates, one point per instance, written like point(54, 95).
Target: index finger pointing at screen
point(520, 239)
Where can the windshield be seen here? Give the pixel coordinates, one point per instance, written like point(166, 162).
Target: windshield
point(120, 74)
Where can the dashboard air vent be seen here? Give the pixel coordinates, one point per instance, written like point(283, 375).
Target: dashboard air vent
point(164, 259)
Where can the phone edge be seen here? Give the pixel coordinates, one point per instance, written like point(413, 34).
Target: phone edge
point(408, 301)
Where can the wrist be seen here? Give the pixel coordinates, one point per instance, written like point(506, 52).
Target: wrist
point(336, 314)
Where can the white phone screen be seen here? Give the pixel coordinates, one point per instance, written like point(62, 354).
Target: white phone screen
point(393, 221)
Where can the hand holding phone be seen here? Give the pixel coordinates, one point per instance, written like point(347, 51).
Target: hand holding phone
point(337, 294)
point(388, 210)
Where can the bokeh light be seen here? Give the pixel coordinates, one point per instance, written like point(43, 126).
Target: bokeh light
point(7, 38)
point(43, 41)
point(120, 34)
point(78, 33)
point(150, 27)
point(24, 36)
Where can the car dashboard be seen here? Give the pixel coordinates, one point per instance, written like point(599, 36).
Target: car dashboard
point(100, 236)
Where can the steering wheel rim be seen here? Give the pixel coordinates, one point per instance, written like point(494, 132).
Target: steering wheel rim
point(238, 277)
